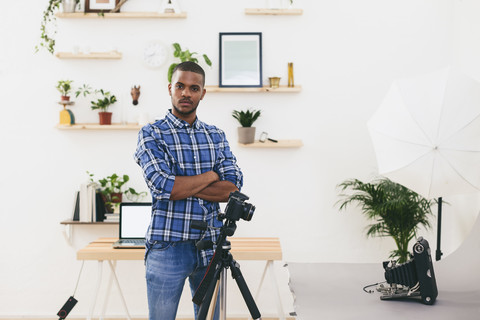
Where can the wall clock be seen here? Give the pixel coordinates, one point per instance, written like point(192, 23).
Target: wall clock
point(155, 54)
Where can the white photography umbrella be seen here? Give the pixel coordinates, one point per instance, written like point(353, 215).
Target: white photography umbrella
point(426, 134)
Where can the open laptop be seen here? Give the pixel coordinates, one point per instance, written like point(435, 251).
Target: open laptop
point(134, 221)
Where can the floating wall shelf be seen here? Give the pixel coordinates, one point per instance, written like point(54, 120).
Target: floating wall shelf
point(68, 222)
point(121, 15)
point(92, 55)
point(269, 144)
point(253, 89)
point(274, 12)
point(94, 126)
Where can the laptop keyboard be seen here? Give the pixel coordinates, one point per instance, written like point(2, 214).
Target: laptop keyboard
point(136, 242)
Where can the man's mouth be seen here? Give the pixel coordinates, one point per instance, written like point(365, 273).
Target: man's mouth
point(185, 102)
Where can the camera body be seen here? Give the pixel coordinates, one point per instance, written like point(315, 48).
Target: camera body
point(413, 278)
point(237, 208)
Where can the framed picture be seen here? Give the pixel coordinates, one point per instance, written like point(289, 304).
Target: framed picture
point(240, 60)
point(100, 5)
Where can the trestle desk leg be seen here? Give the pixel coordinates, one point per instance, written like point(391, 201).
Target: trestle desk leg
point(281, 315)
point(95, 296)
point(107, 292)
point(119, 289)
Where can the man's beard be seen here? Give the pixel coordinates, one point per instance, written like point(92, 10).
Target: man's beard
point(183, 113)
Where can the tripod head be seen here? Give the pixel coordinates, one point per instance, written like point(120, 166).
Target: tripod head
point(235, 210)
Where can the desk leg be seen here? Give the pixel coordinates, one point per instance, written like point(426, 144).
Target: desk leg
point(107, 293)
point(119, 289)
point(99, 281)
point(281, 315)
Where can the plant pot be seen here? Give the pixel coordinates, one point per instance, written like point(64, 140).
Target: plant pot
point(105, 118)
point(65, 98)
point(69, 5)
point(246, 135)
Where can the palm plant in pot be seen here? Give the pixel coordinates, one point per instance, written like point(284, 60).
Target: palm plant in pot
point(103, 104)
point(396, 211)
point(246, 133)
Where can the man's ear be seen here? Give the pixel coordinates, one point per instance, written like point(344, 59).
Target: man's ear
point(203, 95)
point(170, 89)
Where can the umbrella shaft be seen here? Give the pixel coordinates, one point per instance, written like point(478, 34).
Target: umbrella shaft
point(438, 252)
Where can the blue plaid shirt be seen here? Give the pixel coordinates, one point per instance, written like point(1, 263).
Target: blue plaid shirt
point(171, 147)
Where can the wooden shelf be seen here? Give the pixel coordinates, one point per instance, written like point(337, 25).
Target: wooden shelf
point(253, 89)
point(92, 55)
point(68, 222)
point(121, 15)
point(269, 144)
point(274, 12)
point(95, 126)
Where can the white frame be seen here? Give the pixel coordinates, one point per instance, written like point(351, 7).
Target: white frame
point(240, 70)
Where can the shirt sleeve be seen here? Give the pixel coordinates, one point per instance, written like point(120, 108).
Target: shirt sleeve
point(226, 165)
point(152, 156)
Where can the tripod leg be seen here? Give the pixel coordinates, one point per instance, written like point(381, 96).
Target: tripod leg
point(204, 306)
point(223, 295)
point(211, 310)
point(242, 285)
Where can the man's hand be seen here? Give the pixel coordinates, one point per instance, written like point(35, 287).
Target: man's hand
point(185, 187)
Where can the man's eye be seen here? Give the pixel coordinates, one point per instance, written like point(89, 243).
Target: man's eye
point(195, 89)
point(178, 86)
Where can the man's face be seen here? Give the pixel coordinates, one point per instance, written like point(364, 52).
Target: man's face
point(186, 90)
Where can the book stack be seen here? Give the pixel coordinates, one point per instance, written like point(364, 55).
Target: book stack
point(89, 205)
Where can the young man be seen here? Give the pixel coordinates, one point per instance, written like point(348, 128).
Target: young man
point(189, 169)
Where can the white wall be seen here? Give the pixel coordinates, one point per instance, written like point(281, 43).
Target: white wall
point(345, 53)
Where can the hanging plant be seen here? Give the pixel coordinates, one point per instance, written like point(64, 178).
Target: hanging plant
point(48, 27)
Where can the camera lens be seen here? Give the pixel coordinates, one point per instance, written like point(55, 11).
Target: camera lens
point(248, 211)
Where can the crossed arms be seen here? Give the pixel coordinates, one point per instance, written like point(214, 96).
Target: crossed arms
point(206, 186)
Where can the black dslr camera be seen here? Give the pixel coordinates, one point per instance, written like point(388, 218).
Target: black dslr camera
point(237, 208)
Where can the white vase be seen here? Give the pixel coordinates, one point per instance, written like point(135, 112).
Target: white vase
point(246, 135)
point(69, 5)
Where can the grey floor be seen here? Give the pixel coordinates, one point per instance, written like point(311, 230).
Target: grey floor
point(334, 290)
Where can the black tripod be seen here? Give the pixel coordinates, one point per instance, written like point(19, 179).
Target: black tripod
point(217, 269)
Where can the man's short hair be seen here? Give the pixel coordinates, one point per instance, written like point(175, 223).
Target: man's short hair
point(190, 66)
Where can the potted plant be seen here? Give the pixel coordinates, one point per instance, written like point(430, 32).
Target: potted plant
point(103, 104)
point(397, 211)
point(64, 87)
point(113, 189)
point(184, 56)
point(48, 32)
point(246, 133)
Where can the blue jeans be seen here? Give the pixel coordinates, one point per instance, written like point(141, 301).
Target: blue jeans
point(168, 265)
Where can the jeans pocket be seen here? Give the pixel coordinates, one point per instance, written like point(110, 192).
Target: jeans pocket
point(157, 246)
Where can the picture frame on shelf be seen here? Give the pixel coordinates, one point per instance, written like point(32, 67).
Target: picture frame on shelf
point(240, 59)
point(100, 5)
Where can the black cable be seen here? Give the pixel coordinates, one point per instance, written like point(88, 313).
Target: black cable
point(371, 285)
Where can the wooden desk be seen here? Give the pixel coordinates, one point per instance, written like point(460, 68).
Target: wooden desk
point(267, 249)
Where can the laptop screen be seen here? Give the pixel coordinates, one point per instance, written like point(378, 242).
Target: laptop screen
point(134, 219)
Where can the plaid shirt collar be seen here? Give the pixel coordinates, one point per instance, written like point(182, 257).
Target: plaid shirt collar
point(181, 124)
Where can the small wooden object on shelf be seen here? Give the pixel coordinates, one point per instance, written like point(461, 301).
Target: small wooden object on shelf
point(96, 126)
point(269, 144)
point(91, 55)
point(274, 12)
point(253, 89)
point(121, 15)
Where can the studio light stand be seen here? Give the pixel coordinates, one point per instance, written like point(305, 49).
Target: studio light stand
point(222, 260)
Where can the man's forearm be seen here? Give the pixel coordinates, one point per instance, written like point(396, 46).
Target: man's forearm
point(217, 191)
point(187, 186)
